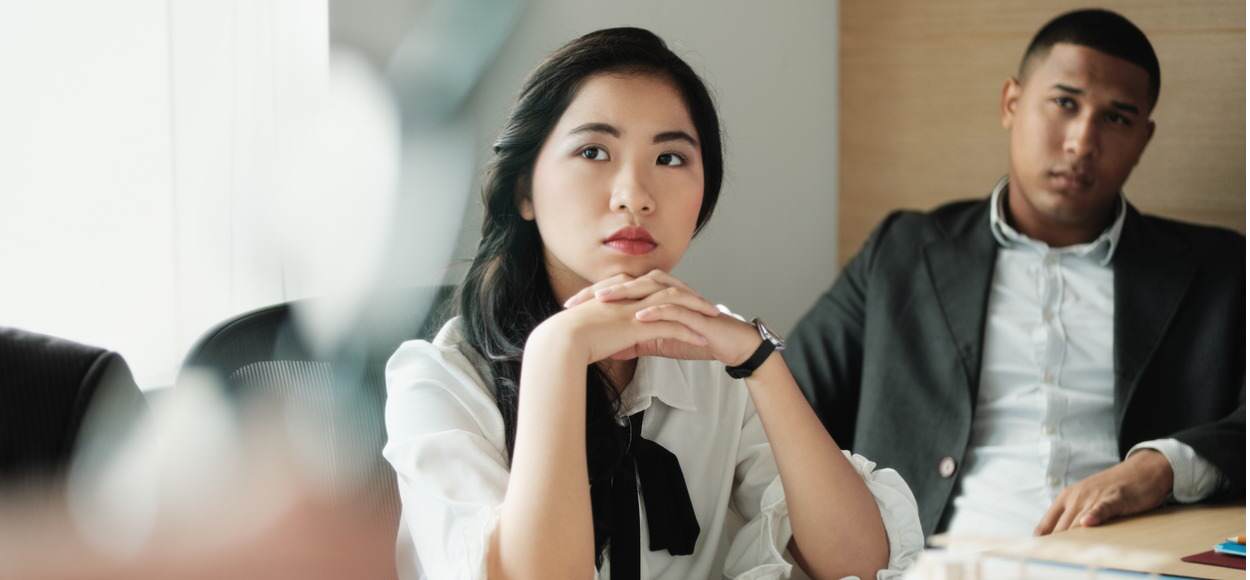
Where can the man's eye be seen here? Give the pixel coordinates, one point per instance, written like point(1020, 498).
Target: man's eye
point(595, 153)
point(1119, 119)
point(1065, 102)
point(670, 159)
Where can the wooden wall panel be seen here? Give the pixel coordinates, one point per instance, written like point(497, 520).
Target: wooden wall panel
point(919, 89)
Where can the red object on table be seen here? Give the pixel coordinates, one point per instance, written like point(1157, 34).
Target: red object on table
point(1210, 557)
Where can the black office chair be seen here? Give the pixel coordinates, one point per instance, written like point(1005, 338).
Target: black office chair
point(50, 390)
point(262, 356)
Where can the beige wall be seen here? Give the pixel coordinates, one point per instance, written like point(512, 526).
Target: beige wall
point(920, 84)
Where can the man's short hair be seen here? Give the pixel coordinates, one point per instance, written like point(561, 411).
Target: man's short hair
point(1101, 30)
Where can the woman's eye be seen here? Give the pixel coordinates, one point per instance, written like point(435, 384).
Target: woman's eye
point(595, 153)
point(670, 159)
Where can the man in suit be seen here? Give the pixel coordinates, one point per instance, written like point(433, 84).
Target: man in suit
point(1048, 357)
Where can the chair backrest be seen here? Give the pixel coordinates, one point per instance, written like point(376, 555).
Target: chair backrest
point(48, 386)
point(263, 356)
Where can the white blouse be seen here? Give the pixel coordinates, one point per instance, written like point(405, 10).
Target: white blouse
point(446, 443)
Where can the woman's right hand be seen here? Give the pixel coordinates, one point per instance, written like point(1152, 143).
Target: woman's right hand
point(595, 330)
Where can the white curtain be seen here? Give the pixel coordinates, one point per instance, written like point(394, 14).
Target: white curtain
point(138, 140)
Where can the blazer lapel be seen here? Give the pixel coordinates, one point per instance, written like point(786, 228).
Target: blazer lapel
point(1152, 274)
point(960, 268)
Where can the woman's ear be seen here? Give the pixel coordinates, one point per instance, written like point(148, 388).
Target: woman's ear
point(526, 207)
point(524, 197)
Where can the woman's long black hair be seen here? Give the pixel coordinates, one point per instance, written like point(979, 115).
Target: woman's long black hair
point(507, 291)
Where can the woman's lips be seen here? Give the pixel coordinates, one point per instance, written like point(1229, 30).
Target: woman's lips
point(631, 247)
point(632, 240)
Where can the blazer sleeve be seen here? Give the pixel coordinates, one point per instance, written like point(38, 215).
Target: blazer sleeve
point(825, 351)
point(1223, 443)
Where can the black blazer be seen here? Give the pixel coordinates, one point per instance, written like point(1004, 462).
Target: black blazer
point(48, 389)
point(890, 356)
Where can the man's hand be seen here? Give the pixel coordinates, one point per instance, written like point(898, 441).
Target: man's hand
point(1136, 484)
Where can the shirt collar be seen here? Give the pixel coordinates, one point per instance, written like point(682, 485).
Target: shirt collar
point(657, 378)
point(1101, 250)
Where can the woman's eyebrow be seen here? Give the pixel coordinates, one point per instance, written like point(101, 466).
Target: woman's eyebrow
point(662, 137)
point(596, 128)
point(675, 136)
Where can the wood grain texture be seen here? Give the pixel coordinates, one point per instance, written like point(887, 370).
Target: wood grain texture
point(1153, 542)
point(919, 89)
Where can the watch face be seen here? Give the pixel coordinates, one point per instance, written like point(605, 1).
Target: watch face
point(768, 334)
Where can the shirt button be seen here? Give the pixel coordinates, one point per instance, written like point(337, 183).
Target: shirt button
point(1047, 377)
point(1053, 481)
point(946, 467)
point(1046, 316)
point(1048, 429)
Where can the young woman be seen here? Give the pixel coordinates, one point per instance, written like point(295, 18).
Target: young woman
point(578, 419)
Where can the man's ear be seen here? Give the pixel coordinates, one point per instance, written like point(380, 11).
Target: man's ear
point(1150, 133)
point(1010, 99)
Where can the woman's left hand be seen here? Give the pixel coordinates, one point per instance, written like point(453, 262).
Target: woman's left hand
point(661, 296)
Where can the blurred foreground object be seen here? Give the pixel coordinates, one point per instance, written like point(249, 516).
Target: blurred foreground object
point(264, 461)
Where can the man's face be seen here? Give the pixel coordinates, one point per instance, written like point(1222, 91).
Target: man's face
point(1079, 121)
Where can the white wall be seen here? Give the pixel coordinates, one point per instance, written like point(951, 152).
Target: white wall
point(769, 249)
point(136, 144)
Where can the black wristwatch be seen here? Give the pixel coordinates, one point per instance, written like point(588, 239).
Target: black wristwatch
point(769, 342)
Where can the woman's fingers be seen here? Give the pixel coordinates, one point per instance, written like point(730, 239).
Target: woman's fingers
point(665, 278)
point(680, 297)
point(589, 292)
point(631, 344)
point(696, 321)
point(651, 291)
point(634, 289)
point(674, 330)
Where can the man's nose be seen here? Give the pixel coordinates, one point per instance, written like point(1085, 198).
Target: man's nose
point(1081, 140)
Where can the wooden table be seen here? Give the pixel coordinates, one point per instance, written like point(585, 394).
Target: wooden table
point(1151, 543)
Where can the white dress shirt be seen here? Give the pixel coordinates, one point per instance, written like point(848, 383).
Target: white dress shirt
point(446, 443)
point(1045, 412)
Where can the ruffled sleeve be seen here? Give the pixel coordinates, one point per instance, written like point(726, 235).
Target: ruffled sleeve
point(899, 513)
point(445, 442)
point(757, 551)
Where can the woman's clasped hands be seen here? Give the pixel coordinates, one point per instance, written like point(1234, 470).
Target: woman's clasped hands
point(625, 317)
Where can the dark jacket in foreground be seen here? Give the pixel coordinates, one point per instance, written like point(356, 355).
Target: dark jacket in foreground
point(890, 356)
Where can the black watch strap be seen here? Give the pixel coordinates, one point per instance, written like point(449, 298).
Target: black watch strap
point(753, 362)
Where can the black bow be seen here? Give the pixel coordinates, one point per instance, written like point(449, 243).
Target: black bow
point(670, 514)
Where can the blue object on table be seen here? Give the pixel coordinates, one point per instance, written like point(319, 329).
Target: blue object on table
point(1231, 548)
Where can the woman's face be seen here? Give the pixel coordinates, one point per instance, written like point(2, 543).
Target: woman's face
point(618, 184)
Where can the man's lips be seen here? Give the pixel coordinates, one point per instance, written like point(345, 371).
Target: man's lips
point(1070, 180)
point(633, 240)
